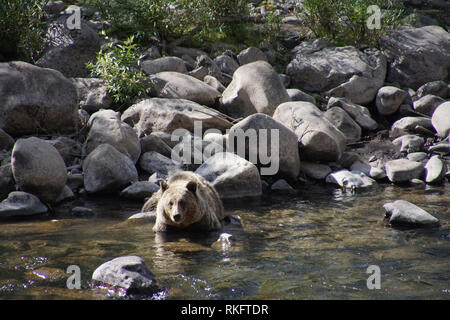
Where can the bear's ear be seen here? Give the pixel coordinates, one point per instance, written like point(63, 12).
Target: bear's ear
point(192, 186)
point(163, 185)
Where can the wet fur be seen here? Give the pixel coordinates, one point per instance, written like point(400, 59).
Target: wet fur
point(203, 207)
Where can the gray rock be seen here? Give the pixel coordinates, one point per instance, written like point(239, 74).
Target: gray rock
point(417, 156)
point(389, 99)
point(105, 126)
point(341, 71)
point(75, 181)
point(68, 51)
point(82, 212)
point(213, 82)
point(283, 152)
point(155, 162)
point(93, 94)
point(368, 170)
point(139, 190)
point(168, 115)
point(410, 67)
point(65, 195)
point(315, 170)
point(250, 55)
point(21, 204)
point(435, 170)
point(7, 184)
point(408, 125)
point(232, 176)
point(282, 187)
point(6, 141)
point(54, 7)
point(402, 170)
point(348, 158)
point(199, 73)
point(211, 67)
point(359, 113)
point(226, 64)
point(441, 148)
point(36, 100)
point(344, 122)
point(318, 138)
point(154, 143)
point(174, 85)
point(409, 143)
point(298, 95)
point(350, 179)
point(427, 104)
point(441, 119)
point(128, 273)
point(163, 64)
point(437, 88)
point(108, 170)
point(38, 168)
point(401, 212)
point(69, 149)
point(256, 88)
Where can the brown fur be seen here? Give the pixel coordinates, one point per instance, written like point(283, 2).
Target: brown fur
point(186, 201)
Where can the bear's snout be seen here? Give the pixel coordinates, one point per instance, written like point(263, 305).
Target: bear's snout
point(176, 217)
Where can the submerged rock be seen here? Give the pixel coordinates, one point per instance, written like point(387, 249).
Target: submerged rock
point(128, 273)
point(350, 179)
point(401, 212)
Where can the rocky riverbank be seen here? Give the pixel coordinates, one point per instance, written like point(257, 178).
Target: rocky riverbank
point(345, 115)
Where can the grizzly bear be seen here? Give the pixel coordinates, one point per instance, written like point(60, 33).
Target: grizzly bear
point(186, 202)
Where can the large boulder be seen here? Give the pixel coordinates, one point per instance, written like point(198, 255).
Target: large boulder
point(108, 170)
point(154, 162)
point(93, 94)
point(175, 85)
point(404, 213)
point(389, 99)
point(441, 119)
point(256, 87)
point(319, 139)
point(69, 50)
point(282, 152)
point(105, 126)
point(232, 176)
point(359, 113)
point(341, 71)
point(36, 100)
point(250, 55)
point(21, 203)
point(38, 168)
point(427, 104)
point(6, 181)
point(174, 64)
point(128, 273)
point(403, 170)
point(417, 55)
point(167, 115)
point(342, 120)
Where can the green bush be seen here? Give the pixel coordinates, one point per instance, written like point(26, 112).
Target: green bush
point(170, 19)
point(22, 29)
point(345, 22)
point(117, 65)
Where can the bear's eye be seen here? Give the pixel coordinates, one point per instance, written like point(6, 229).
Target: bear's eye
point(170, 204)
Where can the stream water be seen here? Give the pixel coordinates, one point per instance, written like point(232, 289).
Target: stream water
point(316, 245)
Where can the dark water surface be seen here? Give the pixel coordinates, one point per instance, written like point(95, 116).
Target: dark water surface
point(317, 245)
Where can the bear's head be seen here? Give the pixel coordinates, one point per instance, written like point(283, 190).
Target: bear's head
point(179, 203)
